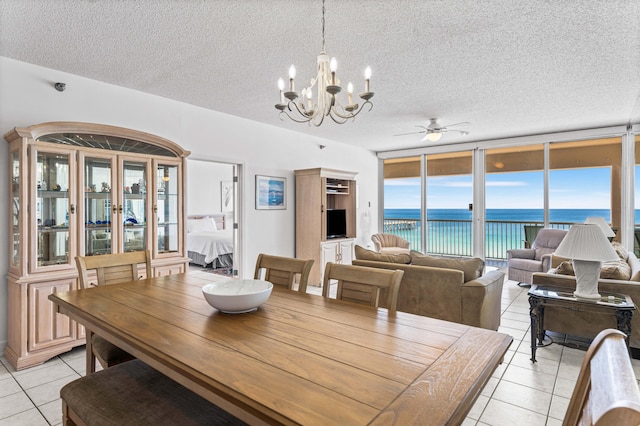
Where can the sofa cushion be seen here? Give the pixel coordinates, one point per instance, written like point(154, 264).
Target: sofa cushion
point(472, 268)
point(364, 254)
point(393, 250)
point(614, 270)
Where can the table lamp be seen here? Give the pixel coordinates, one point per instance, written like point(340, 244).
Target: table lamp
point(599, 220)
point(586, 246)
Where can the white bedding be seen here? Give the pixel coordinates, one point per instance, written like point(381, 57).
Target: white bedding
point(211, 244)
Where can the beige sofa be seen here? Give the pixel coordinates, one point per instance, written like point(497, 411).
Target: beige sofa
point(441, 291)
point(581, 323)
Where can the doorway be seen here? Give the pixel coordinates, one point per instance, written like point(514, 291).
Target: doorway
point(212, 216)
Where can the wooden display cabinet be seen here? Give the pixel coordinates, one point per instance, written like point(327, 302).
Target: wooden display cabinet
point(79, 189)
point(319, 190)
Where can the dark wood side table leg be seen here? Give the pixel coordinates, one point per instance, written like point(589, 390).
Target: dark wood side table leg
point(624, 322)
point(535, 308)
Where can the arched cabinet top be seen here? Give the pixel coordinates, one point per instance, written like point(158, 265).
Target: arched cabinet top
point(100, 136)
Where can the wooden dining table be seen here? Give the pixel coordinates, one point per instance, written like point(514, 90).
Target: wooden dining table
point(299, 358)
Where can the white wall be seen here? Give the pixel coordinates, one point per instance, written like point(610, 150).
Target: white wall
point(203, 186)
point(27, 97)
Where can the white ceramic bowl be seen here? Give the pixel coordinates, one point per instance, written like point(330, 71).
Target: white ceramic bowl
point(237, 296)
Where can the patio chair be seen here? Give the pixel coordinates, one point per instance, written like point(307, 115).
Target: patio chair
point(530, 234)
point(390, 244)
point(364, 285)
point(283, 270)
point(606, 392)
point(524, 262)
point(109, 269)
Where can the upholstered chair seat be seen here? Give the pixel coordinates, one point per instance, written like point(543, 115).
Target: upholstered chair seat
point(524, 262)
point(390, 244)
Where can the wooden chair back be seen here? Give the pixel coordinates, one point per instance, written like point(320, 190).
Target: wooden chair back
point(606, 392)
point(283, 270)
point(113, 268)
point(364, 285)
point(110, 269)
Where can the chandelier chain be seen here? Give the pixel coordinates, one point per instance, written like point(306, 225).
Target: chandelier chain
point(323, 26)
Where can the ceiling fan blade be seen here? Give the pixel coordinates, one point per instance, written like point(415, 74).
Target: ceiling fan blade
point(462, 132)
point(410, 133)
point(462, 123)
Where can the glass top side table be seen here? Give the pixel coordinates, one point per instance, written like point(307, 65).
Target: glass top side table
point(619, 305)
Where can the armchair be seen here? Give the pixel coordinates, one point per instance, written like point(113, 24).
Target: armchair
point(390, 244)
point(524, 262)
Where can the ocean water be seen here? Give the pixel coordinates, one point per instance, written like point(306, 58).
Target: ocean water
point(449, 231)
point(506, 215)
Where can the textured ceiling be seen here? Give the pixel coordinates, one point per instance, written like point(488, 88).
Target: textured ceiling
point(509, 67)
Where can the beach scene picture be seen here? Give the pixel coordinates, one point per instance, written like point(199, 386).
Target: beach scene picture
point(270, 192)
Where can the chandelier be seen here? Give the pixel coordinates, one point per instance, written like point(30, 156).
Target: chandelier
point(313, 109)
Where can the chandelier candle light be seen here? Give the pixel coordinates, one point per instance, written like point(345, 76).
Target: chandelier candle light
point(327, 85)
point(586, 246)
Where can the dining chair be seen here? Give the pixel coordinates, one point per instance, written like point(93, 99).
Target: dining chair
point(283, 270)
point(360, 284)
point(606, 392)
point(109, 269)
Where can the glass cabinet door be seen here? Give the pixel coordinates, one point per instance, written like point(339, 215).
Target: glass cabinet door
point(98, 204)
point(15, 208)
point(167, 207)
point(134, 206)
point(52, 208)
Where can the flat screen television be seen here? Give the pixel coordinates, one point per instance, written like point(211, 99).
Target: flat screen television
point(336, 223)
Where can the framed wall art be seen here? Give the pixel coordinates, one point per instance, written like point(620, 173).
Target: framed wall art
point(226, 196)
point(271, 193)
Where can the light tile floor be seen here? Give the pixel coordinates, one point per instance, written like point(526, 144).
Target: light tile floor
point(519, 392)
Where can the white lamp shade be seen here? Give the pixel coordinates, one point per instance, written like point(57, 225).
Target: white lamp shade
point(599, 220)
point(586, 242)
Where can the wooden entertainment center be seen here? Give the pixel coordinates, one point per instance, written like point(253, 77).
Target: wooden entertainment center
point(319, 190)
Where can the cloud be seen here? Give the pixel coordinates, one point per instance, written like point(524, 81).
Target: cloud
point(458, 184)
point(402, 182)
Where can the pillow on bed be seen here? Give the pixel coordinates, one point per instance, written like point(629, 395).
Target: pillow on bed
point(206, 224)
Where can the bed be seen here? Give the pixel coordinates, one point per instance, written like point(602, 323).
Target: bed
point(209, 241)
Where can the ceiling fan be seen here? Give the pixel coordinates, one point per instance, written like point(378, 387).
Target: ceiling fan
point(434, 130)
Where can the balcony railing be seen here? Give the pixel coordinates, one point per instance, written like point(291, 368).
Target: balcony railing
point(453, 237)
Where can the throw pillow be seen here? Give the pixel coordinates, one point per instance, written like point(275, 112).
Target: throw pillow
point(615, 270)
point(472, 268)
point(565, 268)
point(622, 253)
point(364, 254)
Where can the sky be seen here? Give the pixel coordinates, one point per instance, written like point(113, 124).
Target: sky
point(586, 188)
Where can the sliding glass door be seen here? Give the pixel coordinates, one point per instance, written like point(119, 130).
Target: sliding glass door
point(585, 180)
point(514, 198)
point(428, 198)
point(449, 195)
point(403, 200)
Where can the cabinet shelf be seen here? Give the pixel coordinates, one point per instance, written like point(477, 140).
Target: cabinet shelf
point(53, 194)
point(337, 186)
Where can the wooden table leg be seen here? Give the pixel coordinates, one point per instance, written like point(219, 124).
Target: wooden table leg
point(91, 359)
